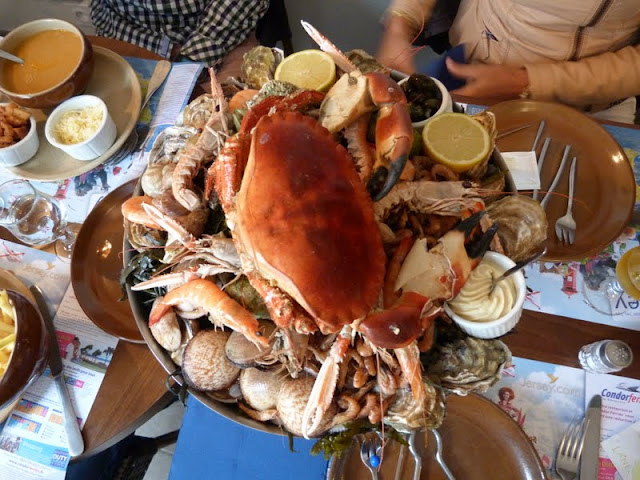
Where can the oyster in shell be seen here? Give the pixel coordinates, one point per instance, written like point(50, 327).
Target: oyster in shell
point(364, 62)
point(522, 225)
point(197, 113)
point(168, 142)
point(462, 364)
point(272, 88)
point(488, 121)
point(259, 65)
point(404, 414)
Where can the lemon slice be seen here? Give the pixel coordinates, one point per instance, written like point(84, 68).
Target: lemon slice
point(308, 69)
point(456, 140)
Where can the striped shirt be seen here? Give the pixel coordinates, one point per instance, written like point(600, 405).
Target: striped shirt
point(204, 30)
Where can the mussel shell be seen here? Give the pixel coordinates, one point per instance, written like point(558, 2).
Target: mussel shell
point(204, 365)
point(243, 353)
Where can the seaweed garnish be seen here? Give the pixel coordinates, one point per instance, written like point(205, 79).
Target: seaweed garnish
point(140, 269)
point(337, 443)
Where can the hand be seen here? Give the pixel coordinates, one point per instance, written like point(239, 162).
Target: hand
point(489, 81)
point(396, 50)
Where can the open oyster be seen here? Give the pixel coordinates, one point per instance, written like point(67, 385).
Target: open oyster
point(404, 414)
point(488, 121)
point(259, 65)
point(462, 364)
point(522, 225)
point(197, 113)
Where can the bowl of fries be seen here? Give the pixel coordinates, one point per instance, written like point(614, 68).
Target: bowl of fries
point(18, 135)
point(24, 348)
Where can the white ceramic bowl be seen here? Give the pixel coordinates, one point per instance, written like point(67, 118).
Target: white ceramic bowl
point(445, 106)
point(96, 144)
point(24, 150)
point(504, 324)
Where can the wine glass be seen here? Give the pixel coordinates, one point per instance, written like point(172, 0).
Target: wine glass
point(621, 277)
point(34, 217)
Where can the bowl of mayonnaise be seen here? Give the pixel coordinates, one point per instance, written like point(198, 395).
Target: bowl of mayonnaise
point(485, 313)
point(81, 127)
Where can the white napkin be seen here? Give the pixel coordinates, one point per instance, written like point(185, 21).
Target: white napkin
point(524, 169)
point(623, 449)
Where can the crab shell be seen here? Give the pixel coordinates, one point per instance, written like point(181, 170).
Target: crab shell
point(305, 220)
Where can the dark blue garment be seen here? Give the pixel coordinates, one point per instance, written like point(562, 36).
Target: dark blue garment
point(438, 69)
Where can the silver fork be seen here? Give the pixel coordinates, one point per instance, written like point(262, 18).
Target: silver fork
point(570, 449)
point(370, 450)
point(566, 225)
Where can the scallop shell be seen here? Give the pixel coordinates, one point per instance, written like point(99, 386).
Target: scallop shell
point(204, 365)
point(260, 388)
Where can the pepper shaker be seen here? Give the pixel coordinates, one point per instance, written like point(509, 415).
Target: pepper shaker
point(605, 356)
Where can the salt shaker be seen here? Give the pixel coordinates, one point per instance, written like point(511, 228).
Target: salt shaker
point(605, 356)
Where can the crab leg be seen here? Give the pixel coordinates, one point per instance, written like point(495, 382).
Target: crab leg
point(325, 384)
point(409, 360)
point(222, 308)
point(193, 158)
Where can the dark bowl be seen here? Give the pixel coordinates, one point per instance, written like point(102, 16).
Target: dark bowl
point(75, 83)
point(29, 356)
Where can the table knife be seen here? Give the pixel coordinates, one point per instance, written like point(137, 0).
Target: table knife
point(71, 427)
point(591, 449)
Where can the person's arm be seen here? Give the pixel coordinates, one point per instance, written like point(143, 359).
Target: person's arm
point(598, 79)
point(403, 20)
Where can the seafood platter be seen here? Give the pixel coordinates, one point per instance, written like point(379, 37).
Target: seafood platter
point(289, 251)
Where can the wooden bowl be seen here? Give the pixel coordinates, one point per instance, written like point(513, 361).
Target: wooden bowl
point(77, 80)
point(30, 353)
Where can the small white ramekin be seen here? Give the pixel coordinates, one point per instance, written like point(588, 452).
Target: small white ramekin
point(496, 328)
point(24, 150)
point(445, 106)
point(95, 145)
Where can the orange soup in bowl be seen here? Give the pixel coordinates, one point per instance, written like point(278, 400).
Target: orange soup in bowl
point(49, 58)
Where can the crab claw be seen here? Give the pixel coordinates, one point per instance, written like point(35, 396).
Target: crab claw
point(394, 135)
point(401, 324)
point(441, 272)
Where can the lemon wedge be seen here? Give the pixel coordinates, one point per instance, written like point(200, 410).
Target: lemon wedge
point(308, 69)
point(456, 140)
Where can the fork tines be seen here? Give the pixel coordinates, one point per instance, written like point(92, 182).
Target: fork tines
point(570, 449)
